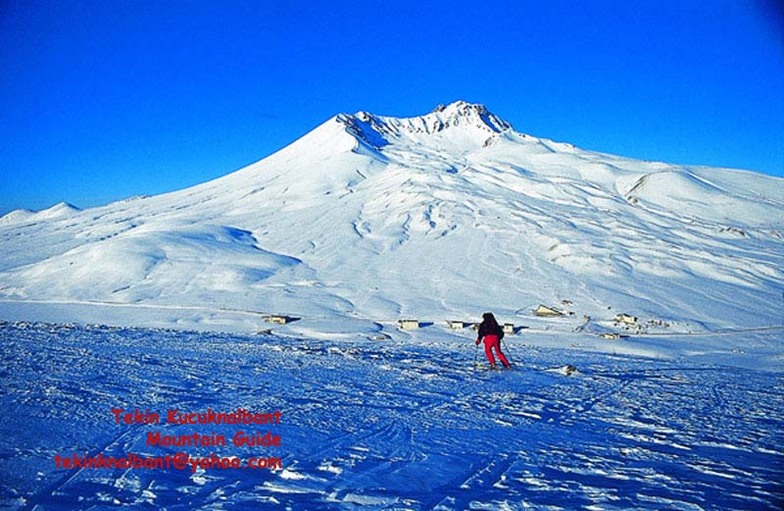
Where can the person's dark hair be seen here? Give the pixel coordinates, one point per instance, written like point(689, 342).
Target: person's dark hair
point(490, 319)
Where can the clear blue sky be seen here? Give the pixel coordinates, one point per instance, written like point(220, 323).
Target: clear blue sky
point(102, 100)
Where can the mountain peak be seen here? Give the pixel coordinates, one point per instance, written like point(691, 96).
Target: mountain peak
point(475, 113)
point(455, 120)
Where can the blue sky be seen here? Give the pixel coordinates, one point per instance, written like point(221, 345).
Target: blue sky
point(103, 100)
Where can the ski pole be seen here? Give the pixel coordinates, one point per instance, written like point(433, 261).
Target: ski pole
point(506, 349)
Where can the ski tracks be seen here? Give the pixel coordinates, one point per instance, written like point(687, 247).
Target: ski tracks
point(388, 425)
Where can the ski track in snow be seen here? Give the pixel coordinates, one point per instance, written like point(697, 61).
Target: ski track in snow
point(389, 424)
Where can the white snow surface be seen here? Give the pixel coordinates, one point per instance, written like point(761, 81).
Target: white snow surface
point(434, 217)
point(160, 302)
point(401, 424)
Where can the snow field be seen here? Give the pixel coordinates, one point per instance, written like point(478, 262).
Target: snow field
point(405, 423)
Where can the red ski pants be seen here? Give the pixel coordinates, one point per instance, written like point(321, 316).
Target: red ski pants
point(493, 342)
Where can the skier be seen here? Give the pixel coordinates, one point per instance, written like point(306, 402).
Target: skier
point(492, 334)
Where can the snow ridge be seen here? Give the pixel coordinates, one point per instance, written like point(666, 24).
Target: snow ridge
point(379, 131)
point(60, 209)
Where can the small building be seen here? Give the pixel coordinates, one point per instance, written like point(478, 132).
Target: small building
point(508, 328)
point(457, 325)
point(612, 336)
point(625, 319)
point(278, 319)
point(547, 312)
point(408, 324)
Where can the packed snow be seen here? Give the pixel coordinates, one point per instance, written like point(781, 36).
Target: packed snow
point(657, 386)
point(408, 422)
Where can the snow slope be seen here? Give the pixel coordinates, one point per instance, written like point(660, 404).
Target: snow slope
point(437, 216)
point(403, 424)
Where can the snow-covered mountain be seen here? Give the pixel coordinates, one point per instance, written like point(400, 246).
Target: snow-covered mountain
point(433, 217)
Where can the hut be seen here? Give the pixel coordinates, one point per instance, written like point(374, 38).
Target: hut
point(626, 319)
point(278, 319)
point(547, 312)
point(408, 324)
